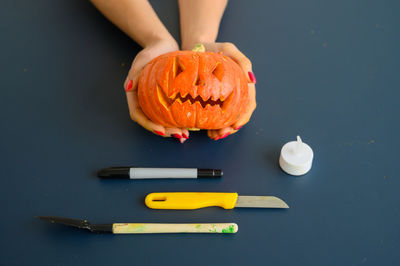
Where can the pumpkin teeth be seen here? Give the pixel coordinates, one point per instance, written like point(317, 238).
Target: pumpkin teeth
point(182, 95)
point(178, 100)
point(199, 104)
point(213, 98)
point(173, 96)
point(188, 97)
point(193, 94)
point(188, 100)
point(204, 100)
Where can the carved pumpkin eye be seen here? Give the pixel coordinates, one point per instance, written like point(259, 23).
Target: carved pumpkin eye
point(218, 71)
point(178, 67)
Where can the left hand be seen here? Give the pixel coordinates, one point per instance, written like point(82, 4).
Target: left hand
point(131, 83)
point(229, 49)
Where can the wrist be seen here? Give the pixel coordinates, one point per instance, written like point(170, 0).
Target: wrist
point(167, 40)
point(190, 42)
point(160, 46)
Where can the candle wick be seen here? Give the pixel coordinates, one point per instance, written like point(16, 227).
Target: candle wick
point(298, 145)
point(299, 140)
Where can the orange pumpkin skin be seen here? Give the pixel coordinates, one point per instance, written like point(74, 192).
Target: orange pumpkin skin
point(187, 89)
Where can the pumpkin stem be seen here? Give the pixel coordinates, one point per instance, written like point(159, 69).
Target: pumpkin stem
point(199, 48)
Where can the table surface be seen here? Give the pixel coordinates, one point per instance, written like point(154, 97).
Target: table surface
point(326, 70)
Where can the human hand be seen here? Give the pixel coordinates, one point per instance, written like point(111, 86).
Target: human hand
point(131, 83)
point(229, 49)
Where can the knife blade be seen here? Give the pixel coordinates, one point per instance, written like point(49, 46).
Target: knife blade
point(197, 200)
point(144, 228)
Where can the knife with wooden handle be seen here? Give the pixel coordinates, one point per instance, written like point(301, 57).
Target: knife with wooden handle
point(145, 228)
point(197, 200)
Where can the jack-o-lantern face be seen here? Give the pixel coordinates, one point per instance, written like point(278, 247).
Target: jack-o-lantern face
point(187, 89)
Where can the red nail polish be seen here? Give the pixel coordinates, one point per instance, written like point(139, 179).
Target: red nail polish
point(129, 85)
point(238, 128)
point(252, 77)
point(217, 138)
point(159, 133)
point(177, 136)
point(185, 136)
point(225, 135)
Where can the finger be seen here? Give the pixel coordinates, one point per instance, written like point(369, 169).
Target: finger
point(173, 132)
point(229, 49)
point(182, 140)
point(131, 81)
point(212, 134)
point(138, 116)
point(138, 63)
point(185, 133)
point(224, 132)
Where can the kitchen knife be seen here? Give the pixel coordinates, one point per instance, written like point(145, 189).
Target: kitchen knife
point(197, 200)
point(144, 228)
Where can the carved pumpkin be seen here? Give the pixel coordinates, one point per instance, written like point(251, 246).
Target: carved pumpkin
point(193, 89)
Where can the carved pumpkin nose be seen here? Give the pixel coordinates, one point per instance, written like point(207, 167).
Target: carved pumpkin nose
point(199, 81)
point(193, 90)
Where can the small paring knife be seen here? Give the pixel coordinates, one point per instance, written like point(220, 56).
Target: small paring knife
point(197, 200)
point(144, 228)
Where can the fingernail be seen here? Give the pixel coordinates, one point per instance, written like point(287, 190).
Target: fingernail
point(217, 138)
point(237, 128)
point(129, 85)
point(225, 135)
point(185, 136)
point(159, 133)
point(177, 136)
point(252, 77)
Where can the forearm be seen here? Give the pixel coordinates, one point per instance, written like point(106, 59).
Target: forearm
point(200, 21)
point(136, 18)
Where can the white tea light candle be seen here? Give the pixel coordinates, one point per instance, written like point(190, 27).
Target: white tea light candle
point(296, 157)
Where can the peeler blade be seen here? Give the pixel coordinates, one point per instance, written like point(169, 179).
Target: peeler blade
point(83, 224)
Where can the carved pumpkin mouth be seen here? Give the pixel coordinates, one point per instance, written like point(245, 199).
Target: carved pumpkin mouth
point(181, 99)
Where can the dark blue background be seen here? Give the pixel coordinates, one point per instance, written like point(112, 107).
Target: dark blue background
point(327, 70)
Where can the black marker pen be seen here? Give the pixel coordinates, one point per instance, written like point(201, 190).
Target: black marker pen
point(154, 173)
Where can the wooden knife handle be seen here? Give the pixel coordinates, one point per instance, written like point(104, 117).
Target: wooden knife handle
point(150, 228)
point(190, 200)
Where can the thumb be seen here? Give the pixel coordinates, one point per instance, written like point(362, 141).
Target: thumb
point(229, 49)
point(132, 78)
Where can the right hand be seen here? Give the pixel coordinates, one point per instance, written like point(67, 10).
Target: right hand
point(131, 84)
point(229, 49)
